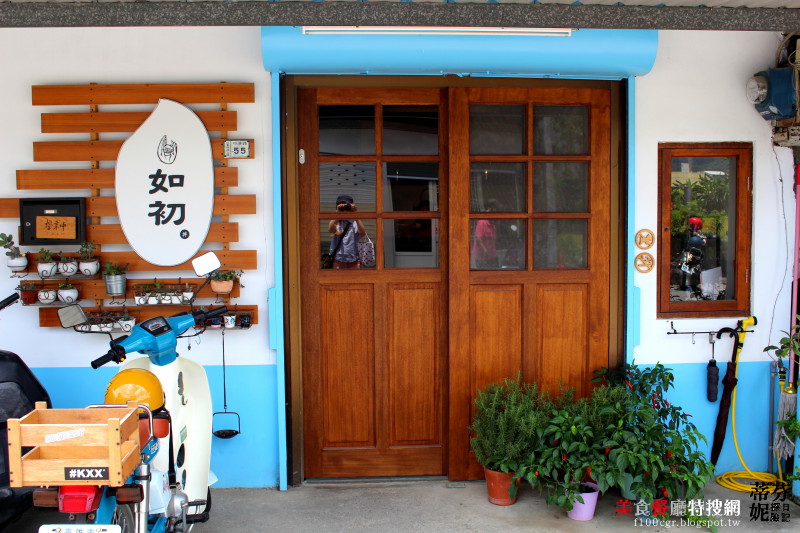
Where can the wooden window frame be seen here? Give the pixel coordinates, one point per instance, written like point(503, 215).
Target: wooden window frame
point(740, 306)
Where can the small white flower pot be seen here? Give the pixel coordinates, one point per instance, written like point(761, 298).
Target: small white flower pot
point(89, 267)
point(68, 296)
point(47, 296)
point(67, 269)
point(127, 325)
point(47, 270)
point(17, 264)
point(229, 321)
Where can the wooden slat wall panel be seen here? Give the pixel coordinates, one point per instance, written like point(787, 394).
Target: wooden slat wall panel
point(48, 317)
point(106, 206)
point(144, 93)
point(125, 122)
point(230, 259)
point(112, 233)
point(101, 150)
point(97, 178)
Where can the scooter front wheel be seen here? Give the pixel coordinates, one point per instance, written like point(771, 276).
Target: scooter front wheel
point(125, 517)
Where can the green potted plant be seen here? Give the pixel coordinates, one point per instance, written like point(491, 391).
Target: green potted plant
point(67, 266)
point(28, 293)
point(88, 264)
point(46, 265)
point(67, 293)
point(115, 278)
point(17, 261)
point(503, 432)
point(126, 321)
point(652, 450)
point(222, 281)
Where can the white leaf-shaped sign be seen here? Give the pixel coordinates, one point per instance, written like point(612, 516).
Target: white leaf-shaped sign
point(165, 185)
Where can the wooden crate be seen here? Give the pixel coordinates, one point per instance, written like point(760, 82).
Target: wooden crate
point(98, 446)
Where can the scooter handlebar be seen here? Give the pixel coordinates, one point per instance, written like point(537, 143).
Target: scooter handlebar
point(9, 300)
point(201, 316)
point(116, 353)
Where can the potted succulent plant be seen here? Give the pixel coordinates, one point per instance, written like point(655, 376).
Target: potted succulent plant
point(229, 320)
point(67, 293)
point(126, 321)
point(28, 293)
point(67, 266)
point(17, 261)
point(88, 264)
point(46, 264)
point(115, 278)
point(222, 281)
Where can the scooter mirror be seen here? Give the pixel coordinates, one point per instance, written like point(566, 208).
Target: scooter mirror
point(71, 316)
point(206, 264)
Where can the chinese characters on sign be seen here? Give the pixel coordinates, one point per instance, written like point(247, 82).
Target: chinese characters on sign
point(163, 213)
point(52, 227)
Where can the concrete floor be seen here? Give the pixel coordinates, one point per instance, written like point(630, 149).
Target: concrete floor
point(429, 505)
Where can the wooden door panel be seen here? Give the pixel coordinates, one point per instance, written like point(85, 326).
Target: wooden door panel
point(413, 366)
point(348, 365)
point(562, 330)
point(495, 332)
point(420, 461)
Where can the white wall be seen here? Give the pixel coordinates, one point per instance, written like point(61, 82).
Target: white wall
point(695, 93)
point(134, 55)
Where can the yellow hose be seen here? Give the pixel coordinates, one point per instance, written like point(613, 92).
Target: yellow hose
point(729, 479)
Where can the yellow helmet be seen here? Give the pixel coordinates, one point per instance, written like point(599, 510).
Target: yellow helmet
point(135, 384)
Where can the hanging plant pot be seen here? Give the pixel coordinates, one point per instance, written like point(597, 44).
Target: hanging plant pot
point(221, 286)
point(115, 285)
point(47, 270)
point(68, 268)
point(88, 267)
point(17, 264)
point(29, 296)
point(497, 485)
point(47, 296)
point(68, 296)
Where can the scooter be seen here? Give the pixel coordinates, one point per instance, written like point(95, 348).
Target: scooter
point(169, 490)
point(19, 392)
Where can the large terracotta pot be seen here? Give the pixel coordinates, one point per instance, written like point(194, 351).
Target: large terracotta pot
point(497, 484)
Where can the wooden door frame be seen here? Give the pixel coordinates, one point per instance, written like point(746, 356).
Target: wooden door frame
point(289, 191)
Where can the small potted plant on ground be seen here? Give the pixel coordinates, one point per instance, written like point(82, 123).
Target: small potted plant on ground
point(67, 266)
point(503, 434)
point(67, 293)
point(115, 278)
point(17, 261)
point(46, 265)
point(88, 264)
point(222, 281)
point(28, 293)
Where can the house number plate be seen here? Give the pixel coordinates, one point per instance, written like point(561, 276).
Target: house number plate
point(237, 149)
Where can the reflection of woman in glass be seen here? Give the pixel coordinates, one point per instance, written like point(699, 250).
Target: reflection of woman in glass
point(484, 240)
point(344, 244)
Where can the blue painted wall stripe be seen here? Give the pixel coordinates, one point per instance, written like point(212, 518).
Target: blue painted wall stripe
point(247, 460)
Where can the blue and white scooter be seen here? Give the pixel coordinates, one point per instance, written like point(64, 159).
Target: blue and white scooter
point(169, 491)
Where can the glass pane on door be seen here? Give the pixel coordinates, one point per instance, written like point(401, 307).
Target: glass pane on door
point(356, 180)
point(497, 244)
point(560, 243)
point(410, 130)
point(411, 243)
point(561, 187)
point(411, 186)
point(347, 129)
point(326, 237)
point(497, 187)
point(496, 129)
point(560, 130)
